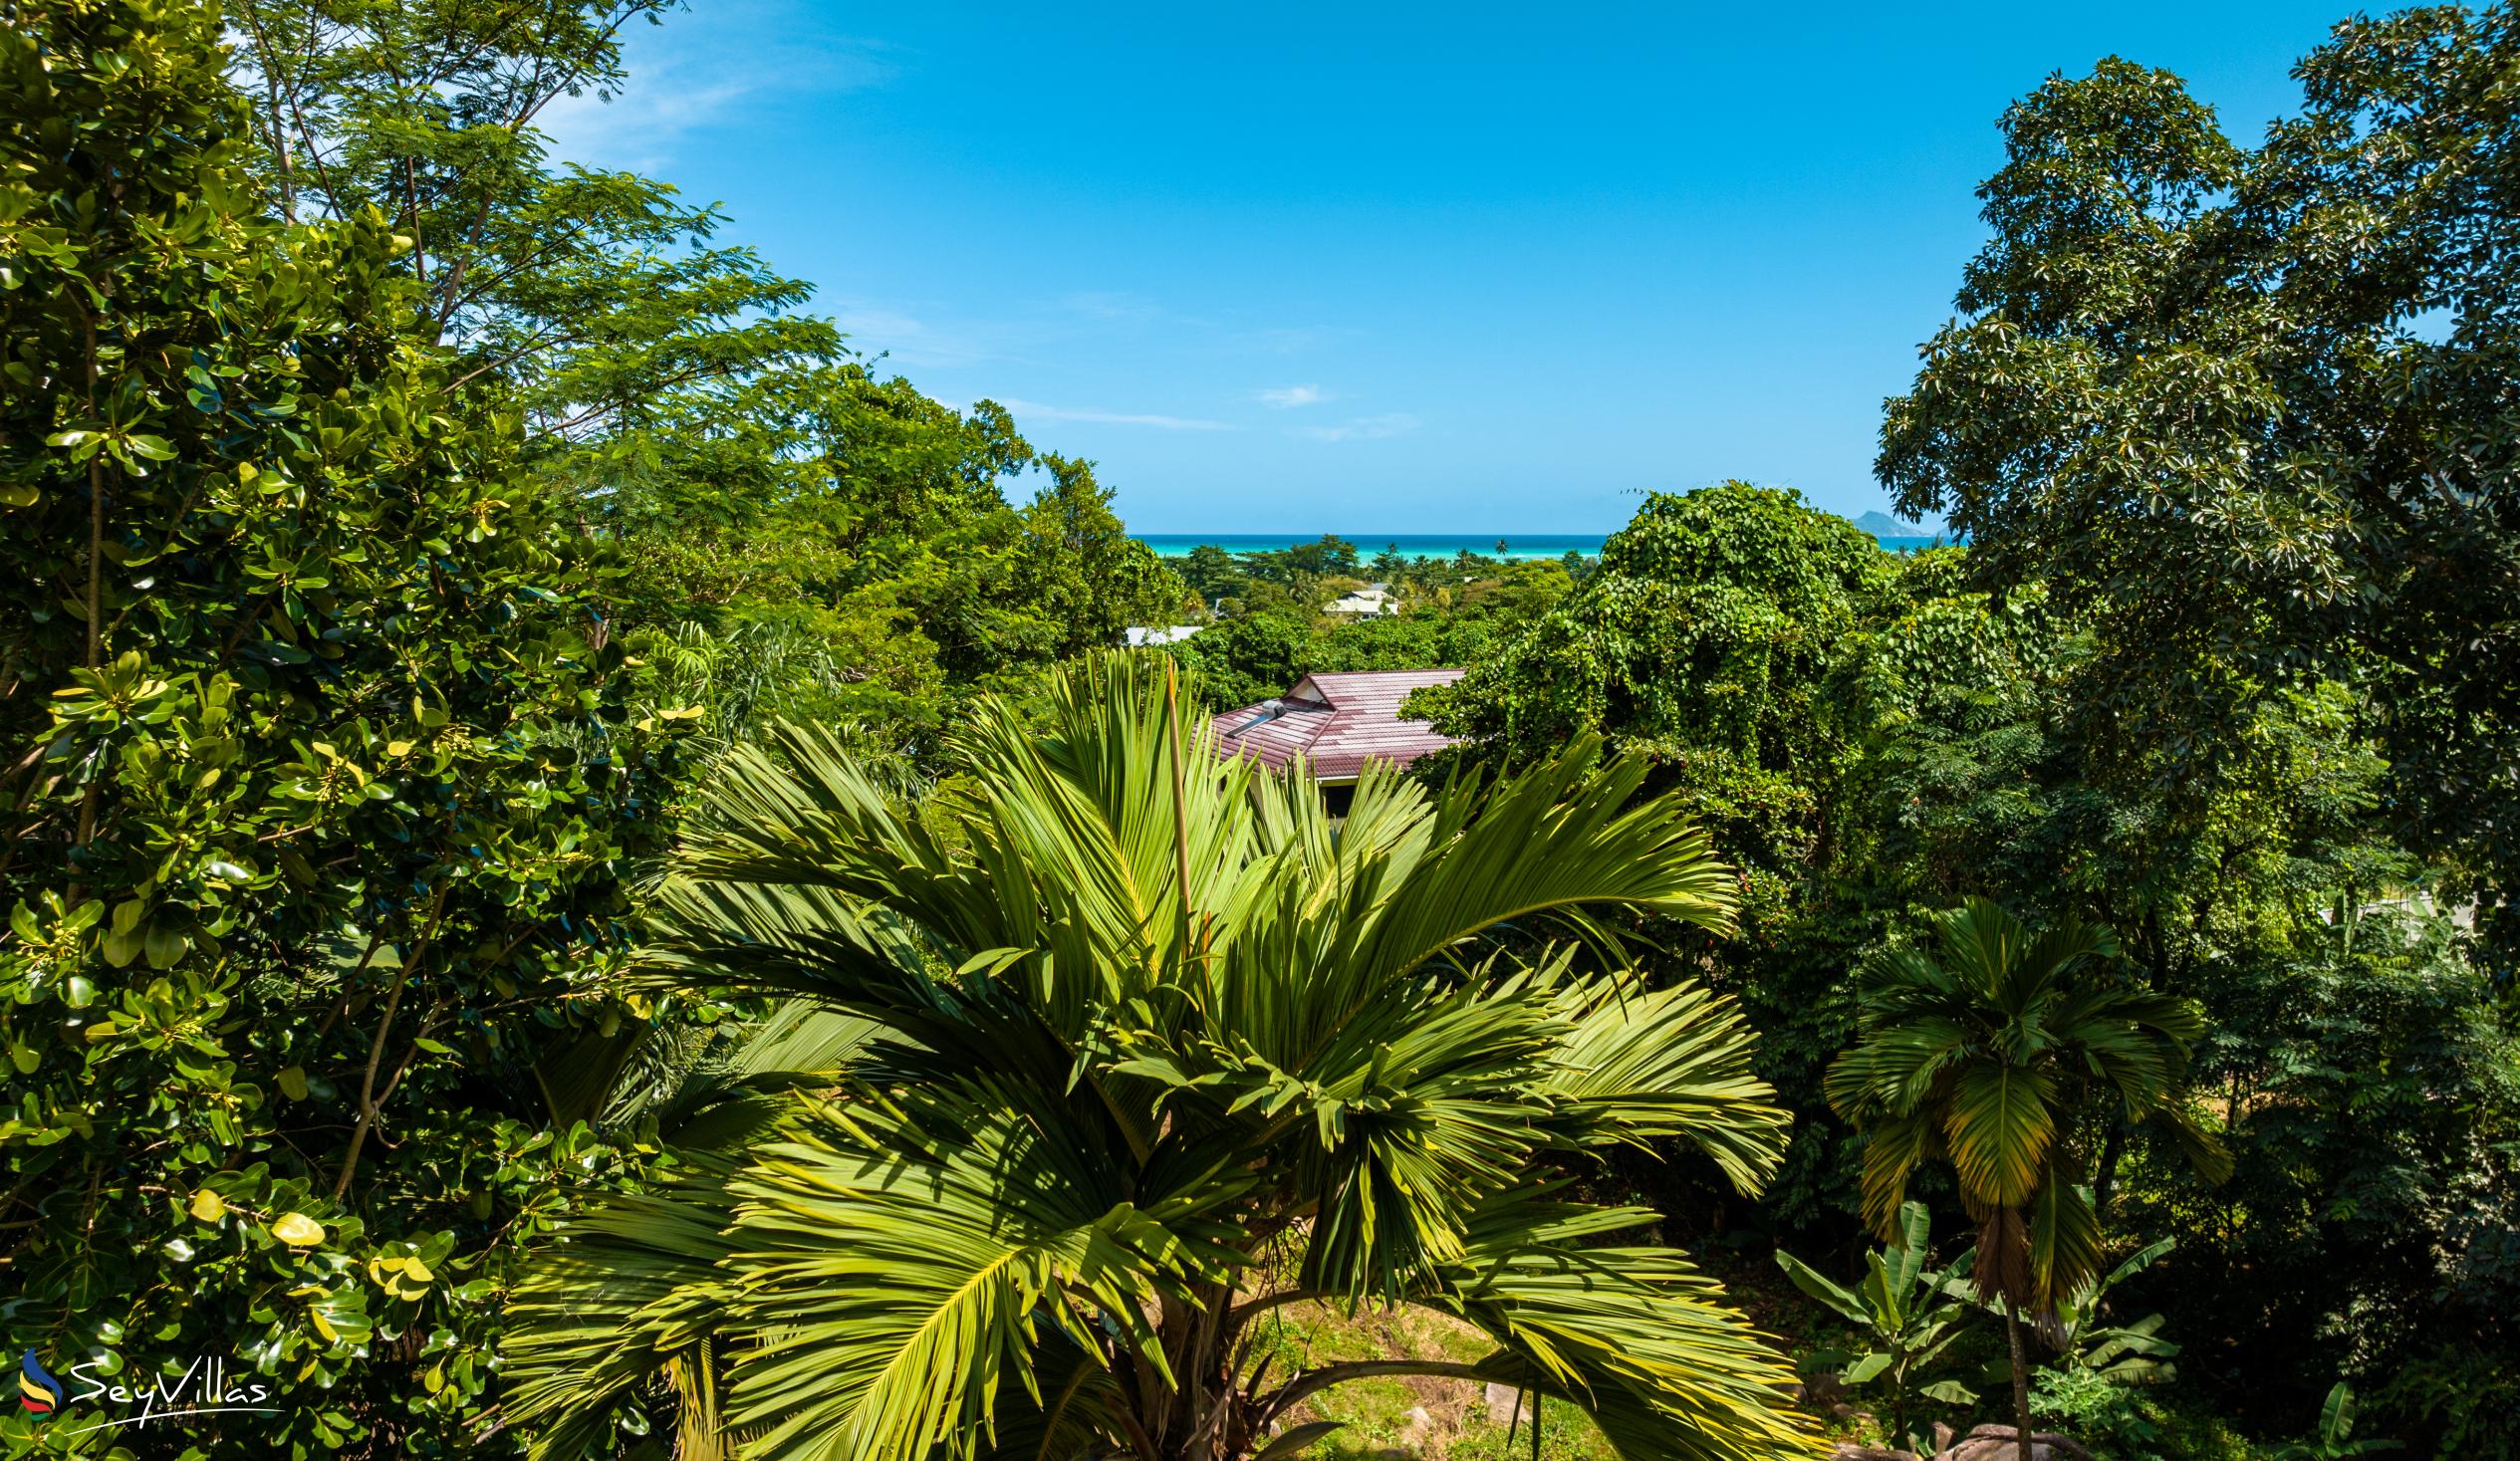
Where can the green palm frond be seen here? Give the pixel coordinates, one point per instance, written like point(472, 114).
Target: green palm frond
point(2201, 1148)
point(1075, 1060)
point(635, 1294)
point(894, 1260)
point(1670, 1064)
point(1072, 1410)
point(1998, 1123)
point(737, 1091)
point(2064, 1240)
point(2054, 954)
point(1636, 1337)
point(1562, 841)
point(1894, 1147)
point(798, 810)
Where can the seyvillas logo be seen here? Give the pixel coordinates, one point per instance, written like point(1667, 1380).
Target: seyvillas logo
point(204, 1389)
point(37, 1390)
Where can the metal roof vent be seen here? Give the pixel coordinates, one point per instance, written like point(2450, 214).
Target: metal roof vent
point(1269, 711)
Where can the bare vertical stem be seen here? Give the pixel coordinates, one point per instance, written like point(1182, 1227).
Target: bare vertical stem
point(2020, 1376)
point(1181, 797)
point(96, 580)
point(369, 1101)
point(411, 214)
point(96, 513)
point(279, 152)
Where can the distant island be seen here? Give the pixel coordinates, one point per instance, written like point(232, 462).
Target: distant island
point(1895, 534)
point(1883, 525)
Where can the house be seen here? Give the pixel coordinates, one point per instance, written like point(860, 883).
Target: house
point(1364, 603)
point(1335, 723)
point(1141, 635)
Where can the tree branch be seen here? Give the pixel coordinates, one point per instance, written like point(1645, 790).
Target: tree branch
point(1322, 1379)
point(367, 1102)
point(1249, 1310)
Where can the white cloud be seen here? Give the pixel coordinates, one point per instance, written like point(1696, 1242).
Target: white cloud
point(1363, 428)
point(636, 130)
point(1041, 413)
point(700, 70)
point(1286, 398)
point(920, 343)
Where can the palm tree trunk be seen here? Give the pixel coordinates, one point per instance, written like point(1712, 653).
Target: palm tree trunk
point(2020, 1376)
point(2112, 1149)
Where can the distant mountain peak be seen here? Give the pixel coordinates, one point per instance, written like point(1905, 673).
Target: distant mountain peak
point(1883, 525)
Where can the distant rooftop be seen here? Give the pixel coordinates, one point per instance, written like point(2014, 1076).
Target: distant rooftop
point(1141, 635)
point(1336, 722)
point(1371, 599)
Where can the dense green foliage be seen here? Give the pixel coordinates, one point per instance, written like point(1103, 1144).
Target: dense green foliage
point(1939, 753)
point(409, 531)
point(2252, 408)
point(1448, 615)
point(323, 775)
point(342, 708)
point(1705, 639)
point(2248, 410)
point(674, 396)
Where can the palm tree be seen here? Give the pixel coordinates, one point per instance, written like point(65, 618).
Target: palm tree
point(1981, 1049)
point(1151, 1047)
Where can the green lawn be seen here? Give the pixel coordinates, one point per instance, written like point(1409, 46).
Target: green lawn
point(1382, 1416)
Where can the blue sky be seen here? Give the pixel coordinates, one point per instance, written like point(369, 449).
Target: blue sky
point(1396, 268)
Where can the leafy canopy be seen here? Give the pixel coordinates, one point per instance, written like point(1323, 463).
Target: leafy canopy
point(2253, 406)
point(321, 774)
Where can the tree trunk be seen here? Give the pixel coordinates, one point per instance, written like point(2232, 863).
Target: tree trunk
point(2020, 1375)
point(2112, 1149)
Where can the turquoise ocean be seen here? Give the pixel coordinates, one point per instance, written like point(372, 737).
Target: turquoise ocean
point(1421, 545)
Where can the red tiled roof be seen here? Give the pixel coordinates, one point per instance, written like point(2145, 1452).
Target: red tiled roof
point(1337, 722)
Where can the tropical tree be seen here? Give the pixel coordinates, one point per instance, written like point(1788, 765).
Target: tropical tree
point(321, 781)
point(2250, 405)
point(1710, 640)
point(1157, 1048)
point(672, 392)
point(1982, 1049)
point(1909, 1313)
point(603, 299)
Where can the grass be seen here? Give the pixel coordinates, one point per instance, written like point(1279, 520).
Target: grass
point(1385, 1417)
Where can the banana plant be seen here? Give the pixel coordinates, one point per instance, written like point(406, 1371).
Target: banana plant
point(1909, 1315)
point(2334, 1440)
point(2125, 1355)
